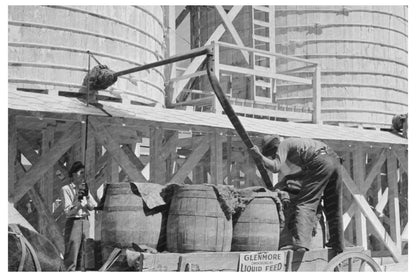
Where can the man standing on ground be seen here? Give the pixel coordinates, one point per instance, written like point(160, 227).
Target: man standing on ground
point(318, 172)
point(78, 201)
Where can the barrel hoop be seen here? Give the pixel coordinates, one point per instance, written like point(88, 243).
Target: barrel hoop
point(193, 213)
point(123, 209)
point(262, 221)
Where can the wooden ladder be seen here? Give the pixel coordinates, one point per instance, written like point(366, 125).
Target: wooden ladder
point(263, 39)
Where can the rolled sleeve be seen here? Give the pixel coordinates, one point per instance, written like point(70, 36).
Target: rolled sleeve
point(91, 203)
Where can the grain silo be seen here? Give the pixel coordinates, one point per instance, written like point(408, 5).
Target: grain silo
point(48, 44)
point(362, 51)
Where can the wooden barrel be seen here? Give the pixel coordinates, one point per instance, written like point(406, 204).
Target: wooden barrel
point(257, 228)
point(196, 222)
point(126, 221)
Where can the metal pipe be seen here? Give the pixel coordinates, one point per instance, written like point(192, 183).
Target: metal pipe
point(229, 111)
point(194, 53)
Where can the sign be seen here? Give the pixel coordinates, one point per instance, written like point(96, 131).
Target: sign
point(262, 261)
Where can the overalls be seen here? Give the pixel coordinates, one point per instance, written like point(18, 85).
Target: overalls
point(320, 177)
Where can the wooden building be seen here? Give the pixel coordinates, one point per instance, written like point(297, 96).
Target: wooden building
point(49, 129)
point(150, 144)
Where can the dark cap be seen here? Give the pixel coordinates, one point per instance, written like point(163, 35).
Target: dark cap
point(76, 166)
point(269, 144)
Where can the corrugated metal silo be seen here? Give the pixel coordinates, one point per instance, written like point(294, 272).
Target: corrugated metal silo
point(362, 51)
point(363, 54)
point(48, 44)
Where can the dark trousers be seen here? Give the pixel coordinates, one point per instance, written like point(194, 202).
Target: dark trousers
point(320, 178)
point(76, 232)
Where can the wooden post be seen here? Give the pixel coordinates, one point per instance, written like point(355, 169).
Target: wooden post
point(50, 227)
point(216, 106)
point(157, 166)
point(349, 230)
point(46, 182)
point(46, 161)
point(191, 162)
point(394, 208)
point(170, 69)
point(229, 151)
point(196, 62)
point(362, 203)
point(359, 175)
point(316, 83)
point(12, 153)
point(90, 153)
point(215, 141)
point(121, 155)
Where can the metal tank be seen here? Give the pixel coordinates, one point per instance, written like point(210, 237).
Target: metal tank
point(48, 44)
point(363, 55)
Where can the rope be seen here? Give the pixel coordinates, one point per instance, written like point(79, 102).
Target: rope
point(25, 243)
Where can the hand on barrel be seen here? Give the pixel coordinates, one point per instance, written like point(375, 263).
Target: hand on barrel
point(284, 197)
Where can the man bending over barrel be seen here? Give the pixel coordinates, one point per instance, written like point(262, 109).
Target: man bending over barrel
point(317, 170)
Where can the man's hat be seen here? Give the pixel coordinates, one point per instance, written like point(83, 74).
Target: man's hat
point(76, 166)
point(269, 144)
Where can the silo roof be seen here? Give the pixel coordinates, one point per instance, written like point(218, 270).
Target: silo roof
point(56, 104)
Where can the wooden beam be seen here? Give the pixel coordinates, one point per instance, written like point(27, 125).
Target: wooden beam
point(317, 103)
point(191, 162)
point(215, 143)
point(132, 156)
point(228, 165)
point(46, 183)
point(349, 214)
point(362, 203)
point(382, 202)
point(196, 62)
point(157, 165)
point(277, 76)
point(181, 17)
point(230, 27)
point(375, 170)
point(32, 156)
point(401, 156)
point(12, 153)
point(53, 232)
point(394, 208)
point(169, 146)
point(359, 174)
point(71, 136)
point(189, 76)
point(103, 137)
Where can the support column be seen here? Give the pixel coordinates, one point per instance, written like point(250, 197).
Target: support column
point(157, 166)
point(216, 106)
point(316, 83)
point(229, 151)
point(359, 177)
point(348, 200)
point(394, 208)
point(12, 153)
point(216, 158)
point(46, 182)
